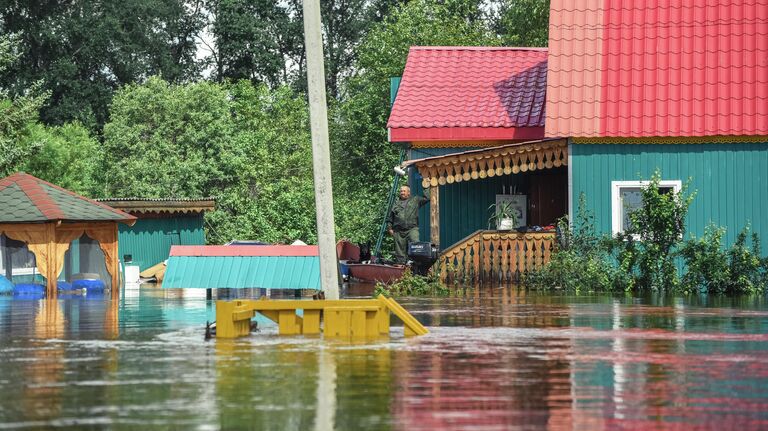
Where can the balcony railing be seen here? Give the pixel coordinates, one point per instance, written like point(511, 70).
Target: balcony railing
point(495, 256)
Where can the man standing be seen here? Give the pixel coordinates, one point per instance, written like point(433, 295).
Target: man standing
point(403, 221)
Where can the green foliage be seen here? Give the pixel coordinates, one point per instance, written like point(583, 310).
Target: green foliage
point(499, 212)
point(256, 40)
point(247, 146)
point(413, 285)
point(82, 51)
point(581, 262)
point(522, 22)
point(362, 157)
point(706, 263)
point(648, 247)
point(643, 258)
point(263, 40)
point(68, 156)
point(749, 273)
point(18, 114)
point(710, 268)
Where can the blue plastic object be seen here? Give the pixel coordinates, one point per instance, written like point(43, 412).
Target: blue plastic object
point(63, 285)
point(89, 285)
point(5, 285)
point(92, 295)
point(29, 291)
point(344, 268)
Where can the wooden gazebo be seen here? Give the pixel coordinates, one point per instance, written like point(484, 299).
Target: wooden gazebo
point(47, 218)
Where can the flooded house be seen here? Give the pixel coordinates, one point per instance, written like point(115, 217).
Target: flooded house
point(160, 225)
point(654, 87)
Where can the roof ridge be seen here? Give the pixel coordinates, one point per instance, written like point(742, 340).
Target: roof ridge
point(39, 196)
point(91, 201)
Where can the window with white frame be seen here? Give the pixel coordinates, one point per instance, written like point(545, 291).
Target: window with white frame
point(626, 197)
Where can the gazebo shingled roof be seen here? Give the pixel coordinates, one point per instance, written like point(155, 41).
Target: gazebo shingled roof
point(25, 199)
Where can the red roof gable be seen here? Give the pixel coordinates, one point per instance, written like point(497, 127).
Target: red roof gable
point(470, 93)
point(245, 250)
point(645, 68)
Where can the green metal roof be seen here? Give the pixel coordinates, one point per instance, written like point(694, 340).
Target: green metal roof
point(268, 272)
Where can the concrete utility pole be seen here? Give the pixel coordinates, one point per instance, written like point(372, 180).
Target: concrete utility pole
point(321, 160)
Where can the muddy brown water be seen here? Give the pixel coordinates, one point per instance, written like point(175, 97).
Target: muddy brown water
point(496, 359)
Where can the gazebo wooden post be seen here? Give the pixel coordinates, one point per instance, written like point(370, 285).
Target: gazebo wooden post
point(434, 215)
point(114, 265)
point(51, 269)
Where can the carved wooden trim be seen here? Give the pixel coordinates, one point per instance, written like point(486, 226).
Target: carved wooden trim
point(492, 162)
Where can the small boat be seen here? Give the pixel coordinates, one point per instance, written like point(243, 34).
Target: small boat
point(375, 272)
point(355, 261)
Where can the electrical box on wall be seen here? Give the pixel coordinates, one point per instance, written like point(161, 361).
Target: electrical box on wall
point(519, 205)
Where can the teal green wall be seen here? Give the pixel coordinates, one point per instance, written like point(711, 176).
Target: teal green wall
point(731, 180)
point(149, 240)
point(464, 205)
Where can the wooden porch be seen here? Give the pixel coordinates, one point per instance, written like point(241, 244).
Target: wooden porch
point(489, 256)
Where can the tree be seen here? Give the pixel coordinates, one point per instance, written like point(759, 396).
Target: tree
point(255, 40)
point(169, 140)
point(18, 116)
point(263, 40)
point(522, 22)
point(362, 156)
point(68, 156)
point(82, 51)
point(246, 145)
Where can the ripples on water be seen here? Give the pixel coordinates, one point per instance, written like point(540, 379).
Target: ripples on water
point(497, 359)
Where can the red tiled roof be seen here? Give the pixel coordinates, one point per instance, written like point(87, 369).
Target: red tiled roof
point(470, 93)
point(25, 198)
point(643, 68)
point(245, 250)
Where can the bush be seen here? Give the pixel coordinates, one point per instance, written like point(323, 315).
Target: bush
point(580, 262)
point(659, 226)
point(413, 285)
point(645, 256)
point(748, 272)
point(706, 263)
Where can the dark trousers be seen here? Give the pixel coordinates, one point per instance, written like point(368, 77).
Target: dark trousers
point(402, 238)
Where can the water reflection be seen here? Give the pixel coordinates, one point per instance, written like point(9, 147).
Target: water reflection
point(495, 359)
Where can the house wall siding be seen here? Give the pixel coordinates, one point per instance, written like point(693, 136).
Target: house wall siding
point(149, 240)
point(730, 180)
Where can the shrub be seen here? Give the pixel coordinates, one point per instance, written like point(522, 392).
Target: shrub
point(706, 263)
point(580, 261)
point(747, 269)
point(413, 285)
point(659, 226)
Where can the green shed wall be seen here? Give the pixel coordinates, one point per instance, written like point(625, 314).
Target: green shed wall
point(149, 241)
point(464, 205)
point(731, 180)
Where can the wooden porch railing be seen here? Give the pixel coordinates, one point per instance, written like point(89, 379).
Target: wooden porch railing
point(495, 256)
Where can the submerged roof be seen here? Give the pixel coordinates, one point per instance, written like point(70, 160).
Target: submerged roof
point(266, 267)
point(470, 93)
point(139, 206)
point(653, 68)
point(26, 199)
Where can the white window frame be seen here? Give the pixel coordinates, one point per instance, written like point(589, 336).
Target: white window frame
point(616, 187)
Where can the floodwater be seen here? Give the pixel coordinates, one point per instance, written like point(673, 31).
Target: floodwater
point(494, 360)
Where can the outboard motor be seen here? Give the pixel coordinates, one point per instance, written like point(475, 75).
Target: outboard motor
point(423, 255)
